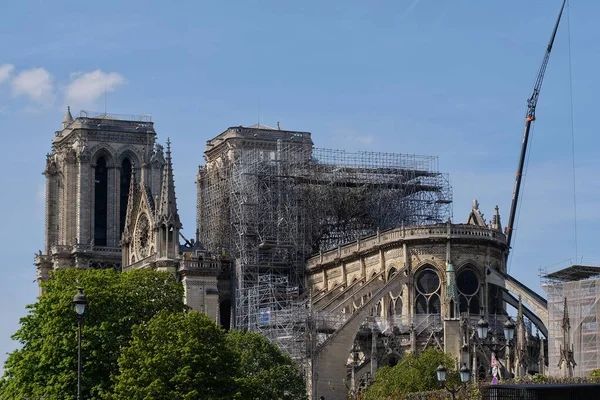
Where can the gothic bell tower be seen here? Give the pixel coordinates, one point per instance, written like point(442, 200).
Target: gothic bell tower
point(88, 177)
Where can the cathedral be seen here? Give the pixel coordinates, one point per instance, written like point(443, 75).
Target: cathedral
point(347, 261)
point(111, 203)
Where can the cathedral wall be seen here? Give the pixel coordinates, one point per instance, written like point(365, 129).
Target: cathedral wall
point(201, 294)
point(475, 250)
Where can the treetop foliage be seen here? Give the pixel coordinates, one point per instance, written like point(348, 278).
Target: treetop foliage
point(46, 364)
point(139, 342)
point(411, 374)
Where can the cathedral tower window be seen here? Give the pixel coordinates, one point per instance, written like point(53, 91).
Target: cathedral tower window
point(101, 203)
point(428, 288)
point(468, 291)
point(124, 193)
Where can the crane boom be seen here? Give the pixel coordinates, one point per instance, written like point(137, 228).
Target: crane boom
point(531, 104)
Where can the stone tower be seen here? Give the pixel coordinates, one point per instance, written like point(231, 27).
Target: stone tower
point(88, 175)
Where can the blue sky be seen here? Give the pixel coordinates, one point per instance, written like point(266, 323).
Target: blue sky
point(433, 77)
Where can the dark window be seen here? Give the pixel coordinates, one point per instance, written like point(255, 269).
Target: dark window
point(428, 282)
point(468, 288)
point(467, 282)
point(427, 292)
point(421, 305)
point(225, 313)
point(494, 299)
point(124, 190)
point(434, 304)
point(101, 203)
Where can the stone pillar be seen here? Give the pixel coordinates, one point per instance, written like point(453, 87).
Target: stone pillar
point(84, 203)
point(452, 337)
point(112, 221)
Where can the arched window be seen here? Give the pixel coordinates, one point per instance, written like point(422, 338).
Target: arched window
point(124, 190)
point(427, 291)
point(100, 202)
point(468, 291)
point(398, 306)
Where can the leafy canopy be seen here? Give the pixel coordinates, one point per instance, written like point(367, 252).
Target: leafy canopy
point(187, 356)
point(46, 364)
point(411, 374)
point(176, 356)
point(265, 372)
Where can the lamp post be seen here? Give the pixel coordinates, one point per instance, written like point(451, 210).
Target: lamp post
point(494, 346)
point(465, 375)
point(79, 303)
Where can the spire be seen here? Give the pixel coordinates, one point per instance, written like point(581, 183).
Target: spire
point(476, 217)
point(521, 346)
point(68, 118)
point(167, 210)
point(567, 358)
point(566, 325)
point(496, 224)
point(130, 204)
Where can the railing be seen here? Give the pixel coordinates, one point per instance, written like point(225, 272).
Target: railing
point(120, 117)
point(450, 231)
point(418, 322)
point(80, 248)
point(200, 264)
point(541, 391)
point(106, 249)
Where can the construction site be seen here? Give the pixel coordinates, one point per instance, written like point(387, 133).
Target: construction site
point(268, 199)
point(573, 315)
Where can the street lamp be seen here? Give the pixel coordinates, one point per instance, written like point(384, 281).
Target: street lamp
point(494, 346)
point(482, 328)
point(79, 303)
point(509, 329)
point(465, 375)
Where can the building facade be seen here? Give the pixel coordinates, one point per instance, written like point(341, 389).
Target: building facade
point(347, 261)
point(111, 203)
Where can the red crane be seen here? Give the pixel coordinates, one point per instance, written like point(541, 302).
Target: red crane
point(531, 104)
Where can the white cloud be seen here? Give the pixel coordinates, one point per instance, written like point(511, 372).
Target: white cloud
point(36, 84)
point(88, 87)
point(5, 72)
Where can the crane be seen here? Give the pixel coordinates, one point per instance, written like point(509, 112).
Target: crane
point(531, 104)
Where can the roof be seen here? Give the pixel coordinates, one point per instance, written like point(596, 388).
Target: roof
point(260, 126)
point(574, 273)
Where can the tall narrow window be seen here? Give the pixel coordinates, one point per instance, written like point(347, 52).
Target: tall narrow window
point(100, 203)
point(428, 289)
point(468, 290)
point(124, 190)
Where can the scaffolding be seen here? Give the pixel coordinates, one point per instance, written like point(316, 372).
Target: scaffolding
point(580, 286)
point(268, 199)
point(357, 194)
point(275, 312)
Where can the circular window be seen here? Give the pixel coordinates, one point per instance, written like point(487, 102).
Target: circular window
point(467, 282)
point(428, 282)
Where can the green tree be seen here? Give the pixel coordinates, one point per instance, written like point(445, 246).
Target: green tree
point(46, 364)
point(176, 356)
point(411, 374)
point(264, 371)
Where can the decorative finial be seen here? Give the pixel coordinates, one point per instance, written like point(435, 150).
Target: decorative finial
point(278, 128)
point(68, 118)
point(475, 204)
